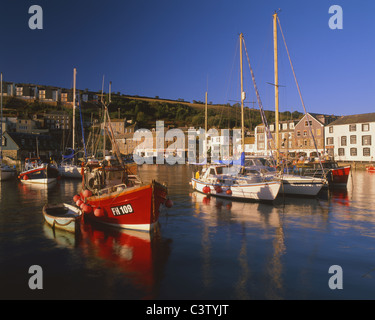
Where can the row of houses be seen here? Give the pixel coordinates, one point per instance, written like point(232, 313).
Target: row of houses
point(47, 94)
point(345, 138)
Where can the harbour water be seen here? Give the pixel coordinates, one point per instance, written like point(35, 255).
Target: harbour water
point(205, 248)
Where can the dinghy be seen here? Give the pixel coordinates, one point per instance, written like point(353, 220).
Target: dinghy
point(62, 216)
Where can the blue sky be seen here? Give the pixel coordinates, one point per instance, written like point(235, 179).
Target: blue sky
point(179, 49)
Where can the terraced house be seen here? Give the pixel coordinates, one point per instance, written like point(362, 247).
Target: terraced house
point(352, 138)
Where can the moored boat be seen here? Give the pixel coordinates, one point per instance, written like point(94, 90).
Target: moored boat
point(62, 216)
point(38, 172)
point(113, 196)
point(216, 182)
point(337, 176)
point(370, 168)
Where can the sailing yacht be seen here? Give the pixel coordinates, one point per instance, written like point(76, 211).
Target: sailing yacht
point(233, 182)
point(67, 168)
point(291, 184)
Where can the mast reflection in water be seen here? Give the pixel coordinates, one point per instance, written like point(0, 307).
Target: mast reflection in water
point(204, 248)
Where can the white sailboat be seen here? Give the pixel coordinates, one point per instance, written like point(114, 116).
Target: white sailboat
point(222, 181)
point(292, 184)
point(6, 172)
point(67, 168)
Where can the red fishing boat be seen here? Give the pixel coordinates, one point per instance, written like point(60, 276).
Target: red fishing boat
point(370, 169)
point(113, 194)
point(337, 176)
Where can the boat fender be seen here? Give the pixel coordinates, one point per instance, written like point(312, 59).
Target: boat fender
point(218, 189)
point(98, 212)
point(169, 203)
point(82, 205)
point(25, 177)
point(76, 198)
point(79, 202)
point(87, 208)
point(206, 189)
point(87, 193)
point(228, 192)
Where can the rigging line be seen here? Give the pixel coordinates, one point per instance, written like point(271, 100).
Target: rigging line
point(263, 116)
point(300, 95)
point(230, 80)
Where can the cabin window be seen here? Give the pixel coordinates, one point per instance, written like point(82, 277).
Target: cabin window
point(212, 171)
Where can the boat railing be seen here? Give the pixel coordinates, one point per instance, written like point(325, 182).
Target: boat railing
point(116, 188)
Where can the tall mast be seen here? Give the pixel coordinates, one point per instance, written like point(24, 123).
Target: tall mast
point(205, 115)
point(242, 98)
point(276, 87)
point(1, 122)
point(74, 107)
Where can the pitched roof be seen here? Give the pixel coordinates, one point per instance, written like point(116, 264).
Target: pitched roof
point(356, 118)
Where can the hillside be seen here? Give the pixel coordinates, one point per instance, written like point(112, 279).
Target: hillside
point(145, 111)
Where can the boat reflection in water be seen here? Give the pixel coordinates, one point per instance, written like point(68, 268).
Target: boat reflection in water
point(260, 230)
point(137, 256)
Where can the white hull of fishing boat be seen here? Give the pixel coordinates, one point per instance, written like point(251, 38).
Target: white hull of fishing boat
point(300, 185)
point(70, 171)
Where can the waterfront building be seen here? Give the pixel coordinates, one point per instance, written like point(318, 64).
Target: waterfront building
point(350, 138)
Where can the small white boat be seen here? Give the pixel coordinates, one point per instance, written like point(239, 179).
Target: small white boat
point(62, 216)
point(217, 180)
point(291, 184)
point(37, 172)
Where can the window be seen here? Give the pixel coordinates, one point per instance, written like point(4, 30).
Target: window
point(330, 129)
point(318, 132)
point(365, 127)
point(353, 152)
point(343, 140)
point(353, 139)
point(307, 123)
point(341, 152)
point(329, 140)
point(298, 133)
point(366, 140)
point(304, 133)
point(352, 127)
point(366, 152)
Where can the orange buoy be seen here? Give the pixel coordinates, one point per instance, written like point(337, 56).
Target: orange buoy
point(169, 203)
point(87, 193)
point(228, 192)
point(25, 177)
point(76, 198)
point(206, 189)
point(98, 212)
point(218, 189)
point(87, 208)
point(79, 202)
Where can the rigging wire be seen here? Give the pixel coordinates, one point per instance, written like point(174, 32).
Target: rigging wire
point(263, 116)
point(300, 95)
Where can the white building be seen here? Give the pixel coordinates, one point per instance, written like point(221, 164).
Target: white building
point(351, 138)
